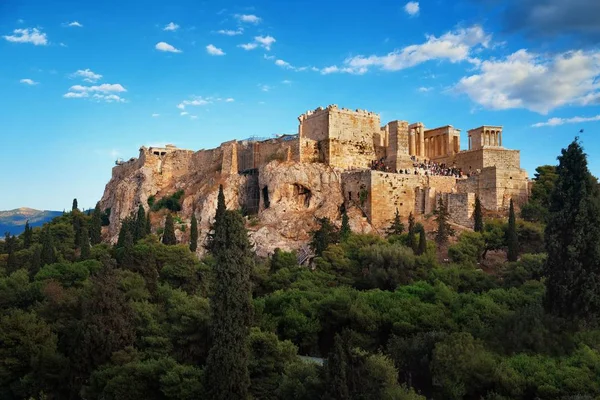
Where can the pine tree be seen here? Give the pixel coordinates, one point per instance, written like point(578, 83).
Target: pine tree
point(345, 230)
point(397, 227)
point(444, 230)
point(169, 231)
point(226, 371)
point(74, 207)
point(140, 224)
point(77, 219)
point(412, 241)
point(194, 233)
point(512, 240)
point(48, 255)
point(572, 236)
point(422, 249)
point(84, 244)
point(96, 226)
point(478, 216)
point(27, 235)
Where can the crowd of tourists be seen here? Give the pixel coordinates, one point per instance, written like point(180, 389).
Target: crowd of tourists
point(425, 167)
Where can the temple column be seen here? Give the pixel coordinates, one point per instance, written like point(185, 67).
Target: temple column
point(411, 145)
point(421, 141)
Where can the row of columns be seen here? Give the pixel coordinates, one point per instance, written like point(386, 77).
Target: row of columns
point(416, 141)
point(435, 146)
point(492, 138)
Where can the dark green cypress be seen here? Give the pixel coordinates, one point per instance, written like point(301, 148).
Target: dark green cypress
point(96, 226)
point(512, 240)
point(127, 226)
point(74, 207)
point(572, 236)
point(48, 255)
point(345, 229)
point(226, 370)
point(84, 244)
point(221, 208)
point(78, 223)
point(169, 231)
point(140, 224)
point(324, 236)
point(10, 244)
point(337, 367)
point(444, 230)
point(27, 235)
point(422, 249)
point(478, 216)
point(148, 223)
point(412, 241)
point(194, 233)
point(396, 227)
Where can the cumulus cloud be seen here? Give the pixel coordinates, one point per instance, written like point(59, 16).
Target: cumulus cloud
point(155, 115)
point(248, 18)
point(75, 95)
point(74, 24)
point(248, 46)
point(27, 35)
point(262, 41)
point(87, 75)
point(196, 101)
point(28, 81)
point(562, 121)
point(264, 88)
point(424, 89)
point(163, 46)
point(229, 100)
point(193, 117)
point(214, 51)
point(171, 26)
point(109, 98)
point(453, 46)
point(183, 113)
point(412, 8)
point(105, 92)
point(286, 82)
point(230, 32)
point(535, 82)
point(104, 88)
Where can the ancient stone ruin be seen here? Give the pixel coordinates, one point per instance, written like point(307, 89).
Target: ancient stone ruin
point(339, 157)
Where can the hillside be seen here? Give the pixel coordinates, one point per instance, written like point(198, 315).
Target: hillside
point(13, 221)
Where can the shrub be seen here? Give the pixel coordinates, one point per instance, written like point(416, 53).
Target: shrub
point(172, 203)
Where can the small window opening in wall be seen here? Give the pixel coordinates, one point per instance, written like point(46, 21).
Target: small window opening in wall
point(350, 196)
point(265, 193)
point(156, 153)
point(511, 177)
point(401, 204)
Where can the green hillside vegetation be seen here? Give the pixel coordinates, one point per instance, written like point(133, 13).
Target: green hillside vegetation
point(376, 318)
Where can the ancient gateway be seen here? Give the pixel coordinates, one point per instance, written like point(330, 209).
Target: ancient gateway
point(339, 157)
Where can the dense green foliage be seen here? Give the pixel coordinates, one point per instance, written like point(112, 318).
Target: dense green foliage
point(396, 227)
point(477, 216)
point(442, 220)
point(374, 318)
point(536, 209)
point(169, 231)
point(171, 203)
point(512, 239)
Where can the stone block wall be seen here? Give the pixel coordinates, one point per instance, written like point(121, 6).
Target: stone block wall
point(313, 134)
point(461, 207)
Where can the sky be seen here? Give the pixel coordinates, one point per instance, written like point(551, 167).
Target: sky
point(86, 82)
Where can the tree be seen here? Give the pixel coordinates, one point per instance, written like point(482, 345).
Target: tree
point(84, 244)
point(226, 370)
point(478, 216)
point(221, 208)
point(140, 224)
point(194, 233)
point(442, 217)
point(324, 236)
point(148, 223)
point(572, 236)
point(10, 247)
point(336, 370)
point(397, 227)
point(412, 242)
point(422, 249)
point(345, 230)
point(536, 209)
point(74, 207)
point(96, 226)
point(48, 255)
point(169, 231)
point(27, 235)
point(512, 240)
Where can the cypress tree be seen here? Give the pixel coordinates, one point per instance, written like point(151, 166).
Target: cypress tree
point(140, 224)
point(412, 242)
point(324, 236)
point(444, 230)
point(148, 224)
point(169, 231)
point(422, 242)
point(194, 233)
point(74, 207)
point(96, 226)
point(10, 246)
point(78, 223)
point(48, 256)
point(126, 255)
point(478, 216)
point(127, 226)
point(337, 367)
point(221, 208)
point(27, 235)
point(345, 230)
point(84, 244)
point(397, 227)
point(572, 236)
point(512, 240)
point(226, 371)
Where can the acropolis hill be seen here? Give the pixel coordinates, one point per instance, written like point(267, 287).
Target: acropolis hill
point(339, 157)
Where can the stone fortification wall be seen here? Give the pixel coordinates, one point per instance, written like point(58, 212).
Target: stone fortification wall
point(254, 154)
point(488, 157)
point(461, 207)
point(313, 133)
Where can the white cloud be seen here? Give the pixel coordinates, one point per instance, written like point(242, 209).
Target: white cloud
point(193, 117)
point(28, 81)
point(264, 88)
point(75, 95)
point(562, 121)
point(109, 98)
point(61, 44)
point(230, 32)
point(452, 46)
point(286, 82)
point(75, 24)
point(104, 92)
point(34, 36)
point(197, 101)
point(183, 113)
point(424, 89)
point(87, 75)
point(265, 41)
point(155, 115)
point(214, 51)
point(248, 46)
point(163, 46)
point(248, 18)
point(282, 63)
point(267, 57)
point(229, 100)
point(412, 8)
point(104, 88)
point(171, 26)
point(535, 82)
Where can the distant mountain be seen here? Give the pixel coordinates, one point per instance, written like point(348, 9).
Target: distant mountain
point(13, 221)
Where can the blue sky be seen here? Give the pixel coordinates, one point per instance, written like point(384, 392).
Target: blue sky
point(86, 82)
